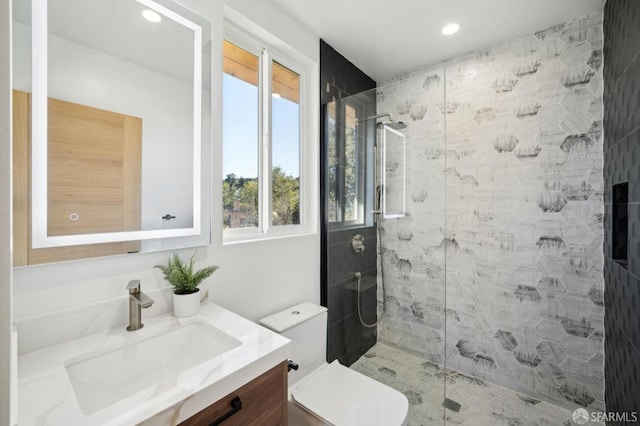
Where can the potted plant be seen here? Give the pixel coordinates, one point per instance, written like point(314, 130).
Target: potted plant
point(185, 281)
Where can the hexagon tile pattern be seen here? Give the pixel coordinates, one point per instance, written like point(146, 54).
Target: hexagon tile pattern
point(514, 206)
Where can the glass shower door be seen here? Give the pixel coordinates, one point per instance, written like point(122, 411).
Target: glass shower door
point(409, 354)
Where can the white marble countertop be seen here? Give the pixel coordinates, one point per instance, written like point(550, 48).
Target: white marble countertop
point(46, 395)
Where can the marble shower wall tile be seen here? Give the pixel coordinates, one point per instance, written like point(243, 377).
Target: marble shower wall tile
point(413, 248)
point(503, 239)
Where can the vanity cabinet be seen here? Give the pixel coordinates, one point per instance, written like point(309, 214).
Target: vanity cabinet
point(264, 403)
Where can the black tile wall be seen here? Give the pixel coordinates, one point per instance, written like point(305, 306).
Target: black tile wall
point(339, 78)
point(622, 164)
point(344, 262)
point(347, 338)
point(343, 296)
point(633, 243)
point(622, 18)
point(624, 101)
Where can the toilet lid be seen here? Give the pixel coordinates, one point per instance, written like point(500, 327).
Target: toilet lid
point(341, 396)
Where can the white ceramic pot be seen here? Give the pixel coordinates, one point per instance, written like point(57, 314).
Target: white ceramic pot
point(186, 305)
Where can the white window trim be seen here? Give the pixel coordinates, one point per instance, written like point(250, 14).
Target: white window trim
point(267, 53)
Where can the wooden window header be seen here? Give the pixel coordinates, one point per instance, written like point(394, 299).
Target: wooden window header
point(245, 66)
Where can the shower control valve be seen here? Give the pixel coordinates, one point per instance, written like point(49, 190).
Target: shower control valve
point(357, 243)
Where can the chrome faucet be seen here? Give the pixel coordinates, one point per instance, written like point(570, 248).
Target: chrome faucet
point(137, 300)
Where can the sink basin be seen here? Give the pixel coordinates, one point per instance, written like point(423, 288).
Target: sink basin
point(102, 379)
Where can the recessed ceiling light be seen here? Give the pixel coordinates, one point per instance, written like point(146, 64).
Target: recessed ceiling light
point(451, 28)
point(151, 16)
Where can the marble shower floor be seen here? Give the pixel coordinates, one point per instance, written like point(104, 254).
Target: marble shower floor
point(480, 403)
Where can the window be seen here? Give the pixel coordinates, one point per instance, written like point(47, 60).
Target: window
point(241, 137)
point(352, 160)
point(285, 146)
point(262, 135)
point(347, 161)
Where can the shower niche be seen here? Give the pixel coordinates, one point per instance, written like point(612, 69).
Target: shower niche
point(620, 223)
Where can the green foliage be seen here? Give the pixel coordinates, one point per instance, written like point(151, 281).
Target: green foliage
point(344, 171)
point(240, 200)
point(351, 170)
point(182, 276)
point(332, 172)
point(286, 198)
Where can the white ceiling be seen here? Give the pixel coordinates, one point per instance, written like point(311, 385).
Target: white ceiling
point(385, 38)
point(117, 28)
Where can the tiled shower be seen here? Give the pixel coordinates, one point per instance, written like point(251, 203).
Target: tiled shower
point(499, 260)
point(495, 272)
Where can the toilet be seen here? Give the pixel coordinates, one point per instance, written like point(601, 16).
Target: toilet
point(322, 393)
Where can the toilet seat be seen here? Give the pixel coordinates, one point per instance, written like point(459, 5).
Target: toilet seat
point(340, 396)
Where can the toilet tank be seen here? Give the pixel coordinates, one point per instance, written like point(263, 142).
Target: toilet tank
point(306, 326)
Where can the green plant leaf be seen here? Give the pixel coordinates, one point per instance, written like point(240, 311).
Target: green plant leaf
point(182, 276)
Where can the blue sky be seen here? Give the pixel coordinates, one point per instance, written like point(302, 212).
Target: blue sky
point(240, 130)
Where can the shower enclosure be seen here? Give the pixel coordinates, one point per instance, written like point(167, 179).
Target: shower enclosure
point(486, 215)
point(394, 170)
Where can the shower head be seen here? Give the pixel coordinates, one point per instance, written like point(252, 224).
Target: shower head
point(395, 125)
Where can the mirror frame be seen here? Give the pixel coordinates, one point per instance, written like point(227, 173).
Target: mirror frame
point(383, 174)
point(39, 171)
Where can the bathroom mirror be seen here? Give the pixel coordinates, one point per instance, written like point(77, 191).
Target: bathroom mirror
point(393, 173)
point(112, 108)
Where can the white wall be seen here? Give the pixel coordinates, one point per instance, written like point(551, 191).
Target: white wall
point(86, 76)
point(255, 278)
point(270, 275)
point(5, 214)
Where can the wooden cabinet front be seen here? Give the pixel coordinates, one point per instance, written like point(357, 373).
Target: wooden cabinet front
point(264, 403)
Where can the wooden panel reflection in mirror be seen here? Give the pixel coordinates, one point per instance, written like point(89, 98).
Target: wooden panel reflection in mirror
point(94, 179)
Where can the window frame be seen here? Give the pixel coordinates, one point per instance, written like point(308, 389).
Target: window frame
point(362, 168)
point(267, 54)
point(359, 135)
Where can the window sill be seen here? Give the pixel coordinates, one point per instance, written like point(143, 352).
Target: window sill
point(255, 238)
point(342, 226)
